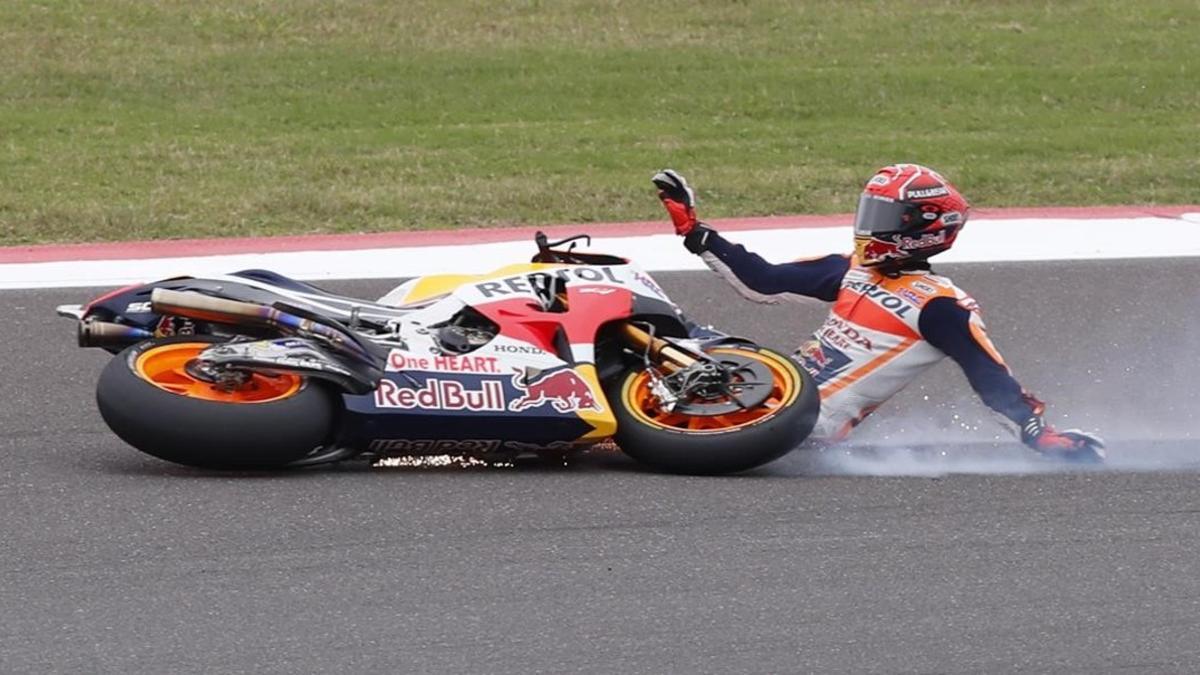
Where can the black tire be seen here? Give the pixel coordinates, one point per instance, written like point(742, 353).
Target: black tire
point(717, 451)
point(211, 434)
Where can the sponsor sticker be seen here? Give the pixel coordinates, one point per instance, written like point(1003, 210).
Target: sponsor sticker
point(554, 446)
point(174, 325)
point(515, 349)
point(822, 360)
point(523, 285)
point(871, 248)
point(880, 295)
point(810, 353)
point(923, 241)
point(437, 394)
point(841, 334)
point(927, 193)
point(403, 446)
point(652, 285)
point(399, 360)
point(409, 446)
point(562, 389)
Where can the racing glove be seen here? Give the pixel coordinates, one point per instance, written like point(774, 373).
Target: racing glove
point(1069, 444)
point(679, 199)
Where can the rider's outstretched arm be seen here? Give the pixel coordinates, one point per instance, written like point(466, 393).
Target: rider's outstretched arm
point(752, 276)
point(960, 333)
point(761, 281)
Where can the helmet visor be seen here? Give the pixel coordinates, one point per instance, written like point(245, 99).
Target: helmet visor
point(877, 215)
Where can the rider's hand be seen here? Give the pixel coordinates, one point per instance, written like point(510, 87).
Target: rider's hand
point(1069, 444)
point(679, 199)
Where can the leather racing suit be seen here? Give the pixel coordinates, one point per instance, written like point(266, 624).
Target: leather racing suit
point(882, 331)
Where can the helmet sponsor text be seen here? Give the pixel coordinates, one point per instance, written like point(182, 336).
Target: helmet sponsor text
point(927, 193)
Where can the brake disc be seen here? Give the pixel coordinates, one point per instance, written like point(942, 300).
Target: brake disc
point(732, 383)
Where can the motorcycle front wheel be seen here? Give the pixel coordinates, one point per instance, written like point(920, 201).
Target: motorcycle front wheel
point(148, 396)
point(733, 440)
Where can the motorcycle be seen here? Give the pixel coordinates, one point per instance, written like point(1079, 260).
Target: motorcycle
point(257, 370)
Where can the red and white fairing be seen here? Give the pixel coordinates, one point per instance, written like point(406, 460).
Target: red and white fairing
point(548, 317)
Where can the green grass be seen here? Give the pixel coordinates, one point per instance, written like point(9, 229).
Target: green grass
point(128, 119)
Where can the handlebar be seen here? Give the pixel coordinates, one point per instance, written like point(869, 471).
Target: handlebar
point(546, 252)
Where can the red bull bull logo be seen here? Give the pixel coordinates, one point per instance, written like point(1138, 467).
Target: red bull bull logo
point(811, 352)
point(563, 389)
point(872, 250)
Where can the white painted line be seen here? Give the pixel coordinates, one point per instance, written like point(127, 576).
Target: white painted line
point(981, 241)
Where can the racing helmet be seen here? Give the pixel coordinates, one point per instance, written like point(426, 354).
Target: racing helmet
point(906, 213)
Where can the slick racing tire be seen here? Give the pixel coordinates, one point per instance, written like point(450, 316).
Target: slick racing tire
point(717, 444)
point(147, 397)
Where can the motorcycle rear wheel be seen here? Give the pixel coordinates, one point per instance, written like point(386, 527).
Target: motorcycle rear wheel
point(716, 444)
point(150, 400)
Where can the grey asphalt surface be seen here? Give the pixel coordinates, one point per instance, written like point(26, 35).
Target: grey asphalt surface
point(928, 546)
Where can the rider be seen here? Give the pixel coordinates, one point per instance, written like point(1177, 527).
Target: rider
point(892, 316)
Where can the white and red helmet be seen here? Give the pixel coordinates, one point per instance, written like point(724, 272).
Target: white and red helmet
point(907, 213)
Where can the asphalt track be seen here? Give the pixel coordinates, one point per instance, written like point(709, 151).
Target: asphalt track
point(929, 546)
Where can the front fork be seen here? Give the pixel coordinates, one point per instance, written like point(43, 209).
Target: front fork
point(669, 356)
point(695, 384)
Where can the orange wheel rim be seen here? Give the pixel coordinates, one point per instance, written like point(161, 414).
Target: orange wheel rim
point(785, 387)
point(165, 367)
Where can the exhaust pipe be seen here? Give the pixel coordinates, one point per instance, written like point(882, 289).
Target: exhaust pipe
point(107, 334)
point(207, 308)
point(221, 310)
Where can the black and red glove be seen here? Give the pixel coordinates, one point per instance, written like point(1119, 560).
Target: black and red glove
point(1070, 444)
point(679, 199)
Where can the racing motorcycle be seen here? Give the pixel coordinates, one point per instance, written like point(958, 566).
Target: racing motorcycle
point(257, 370)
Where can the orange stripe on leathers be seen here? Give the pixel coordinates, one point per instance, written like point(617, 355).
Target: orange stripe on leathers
point(861, 310)
point(831, 388)
point(984, 341)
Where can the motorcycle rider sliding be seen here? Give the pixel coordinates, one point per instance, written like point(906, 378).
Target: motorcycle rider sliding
point(892, 316)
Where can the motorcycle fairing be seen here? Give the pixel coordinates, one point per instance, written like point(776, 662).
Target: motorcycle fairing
point(545, 389)
point(548, 371)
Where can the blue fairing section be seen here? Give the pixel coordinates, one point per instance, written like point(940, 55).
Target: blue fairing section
point(131, 308)
point(442, 406)
point(820, 278)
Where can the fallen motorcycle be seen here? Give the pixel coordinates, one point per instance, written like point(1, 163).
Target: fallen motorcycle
point(256, 370)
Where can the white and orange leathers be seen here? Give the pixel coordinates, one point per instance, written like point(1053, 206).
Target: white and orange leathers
point(882, 331)
point(871, 345)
